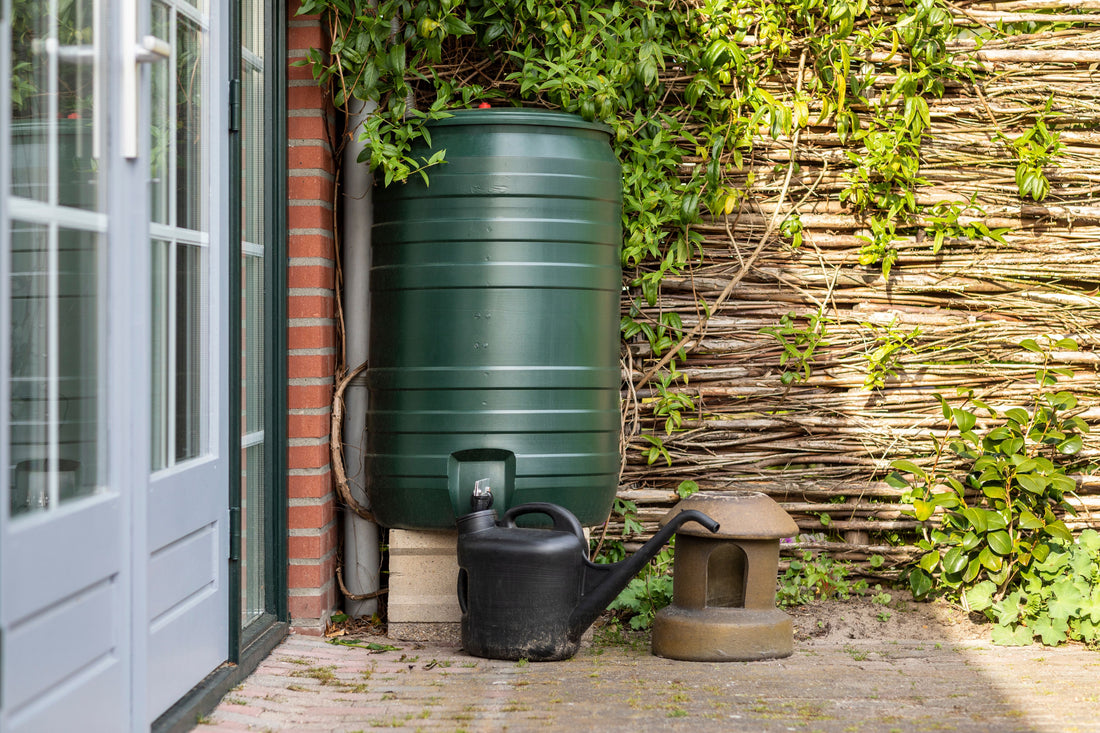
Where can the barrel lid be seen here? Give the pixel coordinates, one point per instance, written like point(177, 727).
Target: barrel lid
point(518, 116)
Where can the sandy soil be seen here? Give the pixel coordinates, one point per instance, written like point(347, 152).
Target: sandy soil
point(899, 619)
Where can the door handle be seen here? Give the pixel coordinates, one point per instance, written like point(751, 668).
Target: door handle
point(148, 50)
point(84, 55)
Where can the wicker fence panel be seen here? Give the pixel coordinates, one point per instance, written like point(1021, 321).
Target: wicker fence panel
point(822, 447)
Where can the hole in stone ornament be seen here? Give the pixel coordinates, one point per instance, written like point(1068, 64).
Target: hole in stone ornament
point(726, 577)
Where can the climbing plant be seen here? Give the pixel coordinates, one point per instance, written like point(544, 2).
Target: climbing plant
point(711, 104)
point(991, 537)
point(674, 81)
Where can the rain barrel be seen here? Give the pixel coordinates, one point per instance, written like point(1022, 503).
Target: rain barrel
point(494, 322)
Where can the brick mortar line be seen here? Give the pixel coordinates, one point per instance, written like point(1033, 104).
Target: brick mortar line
point(310, 410)
point(304, 292)
point(293, 472)
point(312, 531)
point(319, 351)
point(308, 142)
point(309, 592)
point(300, 353)
point(317, 203)
point(310, 501)
point(310, 262)
point(310, 472)
point(309, 231)
point(311, 173)
point(306, 442)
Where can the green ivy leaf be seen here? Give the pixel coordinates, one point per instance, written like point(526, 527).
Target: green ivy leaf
point(964, 419)
point(972, 569)
point(1034, 483)
point(1031, 345)
point(1058, 530)
point(1027, 520)
point(1091, 606)
point(999, 542)
point(920, 583)
point(994, 520)
point(895, 480)
point(990, 561)
point(908, 467)
point(1071, 446)
point(976, 517)
point(687, 488)
point(955, 560)
point(929, 561)
point(1089, 539)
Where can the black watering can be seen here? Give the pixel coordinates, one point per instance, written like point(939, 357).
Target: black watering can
point(531, 593)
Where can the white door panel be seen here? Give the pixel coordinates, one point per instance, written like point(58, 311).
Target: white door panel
point(95, 692)
point(65, 582)
point(186, 596)
point(78, 547)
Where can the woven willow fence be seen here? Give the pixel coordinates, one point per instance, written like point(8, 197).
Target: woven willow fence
point(822, 447)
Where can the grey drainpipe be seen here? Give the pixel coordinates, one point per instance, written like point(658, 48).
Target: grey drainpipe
point(362, 558)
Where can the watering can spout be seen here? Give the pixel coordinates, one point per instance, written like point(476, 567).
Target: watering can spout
point(602, 583)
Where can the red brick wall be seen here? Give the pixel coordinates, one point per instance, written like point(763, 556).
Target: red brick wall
point(311, 335)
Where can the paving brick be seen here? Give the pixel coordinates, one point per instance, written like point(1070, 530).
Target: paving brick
point(860, 685)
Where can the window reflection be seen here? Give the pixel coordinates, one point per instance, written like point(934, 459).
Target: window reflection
point(53, 102)
point(54, 365)
point(54, 259)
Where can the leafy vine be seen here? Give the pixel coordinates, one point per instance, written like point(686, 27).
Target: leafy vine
point(688, 87)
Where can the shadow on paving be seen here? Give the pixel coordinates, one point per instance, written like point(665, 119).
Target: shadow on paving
point(308, 684)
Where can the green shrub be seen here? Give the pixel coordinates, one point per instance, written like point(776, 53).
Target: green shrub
point(813, 578)
point(992, 536)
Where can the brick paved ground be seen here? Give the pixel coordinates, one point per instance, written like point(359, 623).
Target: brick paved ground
point(308, 685)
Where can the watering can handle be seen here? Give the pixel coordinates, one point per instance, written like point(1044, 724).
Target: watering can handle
point(564, 521)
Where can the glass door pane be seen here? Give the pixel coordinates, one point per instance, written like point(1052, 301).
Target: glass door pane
point(55, 255)
point(180, 181)
point(55, 123)
point(254, 511)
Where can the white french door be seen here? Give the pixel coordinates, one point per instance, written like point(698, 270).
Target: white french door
point(188, 503)
point(113, 396)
